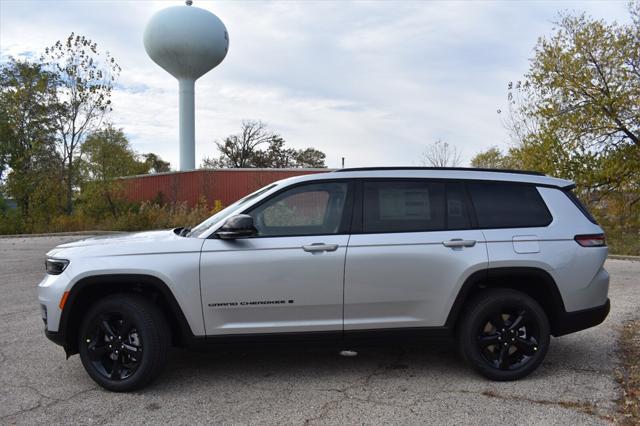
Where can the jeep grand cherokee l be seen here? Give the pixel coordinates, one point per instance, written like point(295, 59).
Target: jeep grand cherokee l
point(499, 260)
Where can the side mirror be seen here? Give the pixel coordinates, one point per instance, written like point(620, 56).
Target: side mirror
point(238, 226)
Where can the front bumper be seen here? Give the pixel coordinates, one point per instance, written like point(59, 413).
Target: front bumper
point(50, 292)
point(55, 337)
point(570, 322)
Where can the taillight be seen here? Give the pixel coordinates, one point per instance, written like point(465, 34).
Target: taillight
point(594, 240)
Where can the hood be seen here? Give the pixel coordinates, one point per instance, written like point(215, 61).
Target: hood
point(121, 238)
point(124, 244)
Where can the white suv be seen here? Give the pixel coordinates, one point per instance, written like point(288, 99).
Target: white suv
point(499, 259)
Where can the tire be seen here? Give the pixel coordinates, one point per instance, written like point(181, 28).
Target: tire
point(123, 342)
point(500, 315)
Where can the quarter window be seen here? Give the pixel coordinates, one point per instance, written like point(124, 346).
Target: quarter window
point(507, 205)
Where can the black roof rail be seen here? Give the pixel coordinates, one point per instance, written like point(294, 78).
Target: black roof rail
point(468, 169)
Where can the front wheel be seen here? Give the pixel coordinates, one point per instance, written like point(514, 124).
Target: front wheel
point(504, 334)
point(123, 342)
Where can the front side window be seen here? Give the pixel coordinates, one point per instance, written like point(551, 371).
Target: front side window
point(403, 206)
point(508, 205)
point(312, 209)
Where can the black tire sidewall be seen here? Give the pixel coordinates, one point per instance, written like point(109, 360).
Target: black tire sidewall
point(149, 323)
point(478, 312)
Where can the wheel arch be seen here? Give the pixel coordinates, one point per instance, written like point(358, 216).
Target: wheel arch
point(89, 289)
point(535, 282)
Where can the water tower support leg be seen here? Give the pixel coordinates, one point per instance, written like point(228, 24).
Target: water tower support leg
point(187, 125)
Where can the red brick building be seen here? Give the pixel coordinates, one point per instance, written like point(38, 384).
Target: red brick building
point(225, 185)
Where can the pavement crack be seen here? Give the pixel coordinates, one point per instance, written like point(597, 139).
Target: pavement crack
point(40, 404)
point(365, 382)
point(581, 407)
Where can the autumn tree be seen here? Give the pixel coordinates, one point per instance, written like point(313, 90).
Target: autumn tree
point(491, 158)
point(583, 94)
point(85, 82)
point(441, 154)
point(576, 114)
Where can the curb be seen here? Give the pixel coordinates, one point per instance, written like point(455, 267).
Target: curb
point(623, 257)
point(62, 234)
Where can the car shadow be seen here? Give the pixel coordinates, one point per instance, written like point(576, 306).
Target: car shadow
point(295, 362)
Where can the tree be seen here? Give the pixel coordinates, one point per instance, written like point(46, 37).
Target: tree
point(441, 154)
point(105, 155)
point(155, 164)
point(492, 158)
point(245, 150)
point(576, 115)
point(578, 111)
point(85, 82)
point(238, 151)
point(310, 157)
point(27, 106)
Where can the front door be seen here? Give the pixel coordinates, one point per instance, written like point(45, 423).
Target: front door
point(289, 277)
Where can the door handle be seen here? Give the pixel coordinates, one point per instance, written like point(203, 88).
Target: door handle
point(316, 247)
point(459, 242)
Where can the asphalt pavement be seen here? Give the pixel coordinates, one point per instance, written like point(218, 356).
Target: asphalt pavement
point(299, 385)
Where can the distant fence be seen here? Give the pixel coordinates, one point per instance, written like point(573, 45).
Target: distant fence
point(225, 185)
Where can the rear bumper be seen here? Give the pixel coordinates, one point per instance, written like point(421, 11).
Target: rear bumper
point(570, 322)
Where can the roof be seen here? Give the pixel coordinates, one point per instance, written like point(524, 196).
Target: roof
point(441, 173)
point(475, 169)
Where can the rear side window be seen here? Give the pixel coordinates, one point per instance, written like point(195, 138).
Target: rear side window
point(569, 193)
point(457, 209)
point(403, 206)
point(507, 205)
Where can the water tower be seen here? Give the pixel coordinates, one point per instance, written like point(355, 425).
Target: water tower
point(187, 42)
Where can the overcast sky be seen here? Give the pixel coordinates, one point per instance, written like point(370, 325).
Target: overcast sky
point(373, 81)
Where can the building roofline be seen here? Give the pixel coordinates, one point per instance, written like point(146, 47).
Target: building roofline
point(230, 169)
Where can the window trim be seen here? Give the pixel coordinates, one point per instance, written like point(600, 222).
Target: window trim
point(345, 222)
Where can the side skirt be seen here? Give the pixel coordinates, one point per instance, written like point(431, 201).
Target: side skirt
point(330, 338)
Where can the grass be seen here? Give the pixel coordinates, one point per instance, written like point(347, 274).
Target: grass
point(623, 241)
point(628, 374)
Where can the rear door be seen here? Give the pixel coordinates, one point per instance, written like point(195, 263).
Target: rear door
point(412, 248)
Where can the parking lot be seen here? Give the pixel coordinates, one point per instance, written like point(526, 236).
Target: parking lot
point(298, 385)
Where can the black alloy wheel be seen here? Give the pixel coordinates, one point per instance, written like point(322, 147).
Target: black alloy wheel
point(508, 340)
point(123, 342)
point(504, 334)
point(114, 346)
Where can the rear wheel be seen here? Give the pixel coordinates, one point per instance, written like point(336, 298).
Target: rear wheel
point(123, 342)
point(504, 334)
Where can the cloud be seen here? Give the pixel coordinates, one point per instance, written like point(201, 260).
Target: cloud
point(371, 81)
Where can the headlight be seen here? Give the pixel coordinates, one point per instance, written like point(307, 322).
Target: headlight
point(55, 266)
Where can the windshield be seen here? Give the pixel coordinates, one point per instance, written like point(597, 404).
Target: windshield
point(222, 214)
